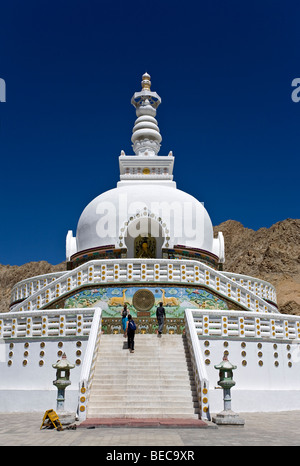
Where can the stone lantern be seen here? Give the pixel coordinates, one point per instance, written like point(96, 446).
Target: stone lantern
point(227, 416)
point(63, 367)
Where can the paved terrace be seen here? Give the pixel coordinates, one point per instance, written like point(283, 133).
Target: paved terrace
point(273, 429)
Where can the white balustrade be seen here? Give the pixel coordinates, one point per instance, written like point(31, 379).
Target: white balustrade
point(50, 323)
point(227, 324)
point(260, 287)
point(126, 271)
point(29, 286)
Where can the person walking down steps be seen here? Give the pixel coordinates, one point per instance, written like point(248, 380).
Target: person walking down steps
point(160, 315)
point(130, 330)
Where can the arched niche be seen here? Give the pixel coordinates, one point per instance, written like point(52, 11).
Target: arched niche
point(144, 236)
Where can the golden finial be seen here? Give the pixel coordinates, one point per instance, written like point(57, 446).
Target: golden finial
point(146, 83)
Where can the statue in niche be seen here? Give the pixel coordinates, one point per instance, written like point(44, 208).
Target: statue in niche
point(145, 247)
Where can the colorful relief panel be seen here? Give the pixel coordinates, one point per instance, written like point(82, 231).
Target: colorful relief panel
point(174, 299)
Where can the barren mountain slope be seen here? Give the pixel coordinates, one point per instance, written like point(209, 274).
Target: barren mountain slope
point(11, 274)
point(272, 254)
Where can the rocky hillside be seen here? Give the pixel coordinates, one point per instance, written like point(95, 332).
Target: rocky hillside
point(272, 254)
point(11, 274)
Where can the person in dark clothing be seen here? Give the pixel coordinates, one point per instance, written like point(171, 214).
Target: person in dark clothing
point(130, 332)
point(160, 315)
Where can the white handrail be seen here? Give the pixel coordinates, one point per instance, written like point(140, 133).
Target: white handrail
point(89, 363)
point(200, 374)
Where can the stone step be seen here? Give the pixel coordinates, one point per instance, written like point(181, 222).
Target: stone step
point(159, 350)
point(142, 352)
point(158, 343)
point(104, 401)
point(135, 367)
point(143, 374)
point(141, 370)
point(142, 415)
point(160, 392)
point(142, 385)
point(167, 342)
point(137, 357)
point(136, 370)
point(146, 379)
point(138, 352)
point(142, 348)
point(140, 401)
point(175, 396)
point(140, 364)
point(153, 342)
point(138, 360)
point(143, 336)
point(150, 410)
point(171, 377)
point(158, 415)
point(143, 389)
point(141, 412)
point(127, 364)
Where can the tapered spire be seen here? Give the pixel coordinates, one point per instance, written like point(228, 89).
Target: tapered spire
point(146, 137)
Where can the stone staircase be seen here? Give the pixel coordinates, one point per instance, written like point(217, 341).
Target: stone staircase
point(153, 382)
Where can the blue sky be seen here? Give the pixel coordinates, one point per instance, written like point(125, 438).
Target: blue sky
point(223, 70)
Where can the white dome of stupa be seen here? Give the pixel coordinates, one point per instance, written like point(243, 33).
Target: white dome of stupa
point(124, 212)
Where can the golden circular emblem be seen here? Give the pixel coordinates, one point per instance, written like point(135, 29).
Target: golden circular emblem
point(146, 171)
point(143, 300)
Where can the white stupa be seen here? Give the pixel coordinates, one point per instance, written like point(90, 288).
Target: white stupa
point(141, 243)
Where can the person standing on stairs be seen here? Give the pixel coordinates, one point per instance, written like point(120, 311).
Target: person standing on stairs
point(160, 315)
point(130, 331)
point(124, 315)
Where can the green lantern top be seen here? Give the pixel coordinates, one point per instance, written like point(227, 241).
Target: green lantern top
point(63, 364)
point(63, 368)
point(226, 373)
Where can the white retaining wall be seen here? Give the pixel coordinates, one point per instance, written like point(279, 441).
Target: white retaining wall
point(26, 385)
point(266, 387)
point(268, 367)
point(30, 343)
